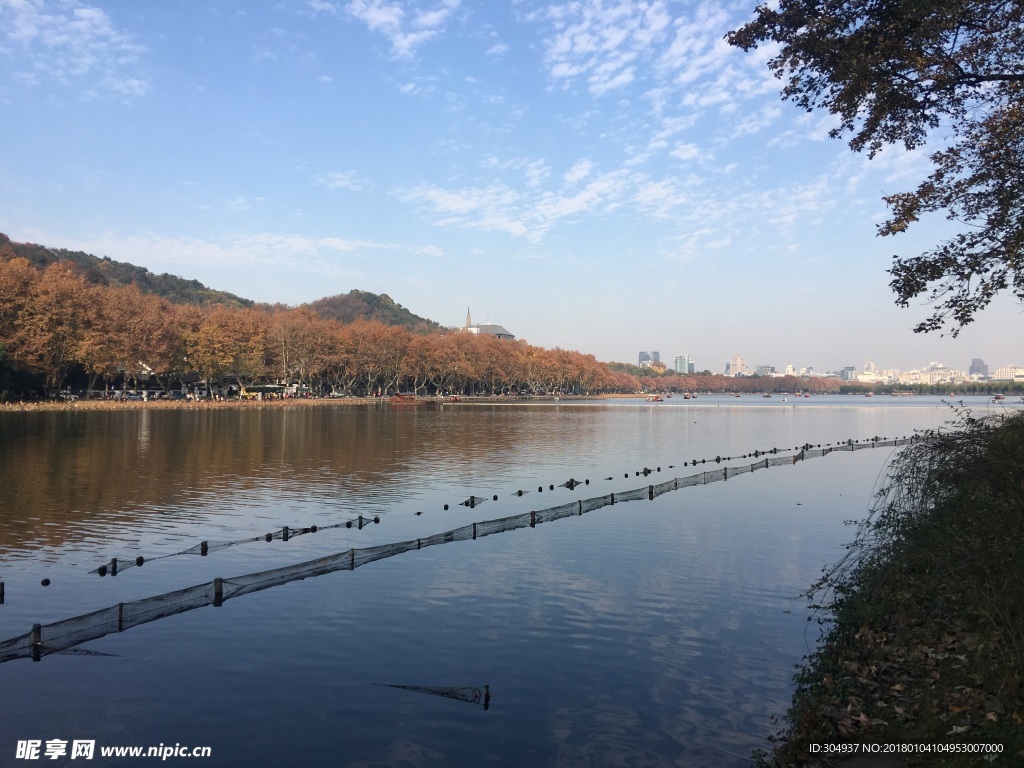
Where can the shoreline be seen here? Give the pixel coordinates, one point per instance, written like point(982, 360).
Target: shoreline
point(927, 636)
point(290, 402)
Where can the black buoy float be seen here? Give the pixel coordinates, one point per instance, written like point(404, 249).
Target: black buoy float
point(270, 536)
point(140, 560)
point(45, 582)
point(494, 497)
point(446, 506)
point(102, 570)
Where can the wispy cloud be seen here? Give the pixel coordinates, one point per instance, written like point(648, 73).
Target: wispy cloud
point(339, 180)
point(530, 213)
point(579, 171)
point(70, 43)
point(497, 51)
point(601, 41)
point(405, 32)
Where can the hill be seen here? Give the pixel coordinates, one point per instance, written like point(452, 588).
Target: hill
point(106, 271)
point(354, 305)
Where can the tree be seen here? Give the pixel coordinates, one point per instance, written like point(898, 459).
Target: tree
point(911, 72)
point(58, 312)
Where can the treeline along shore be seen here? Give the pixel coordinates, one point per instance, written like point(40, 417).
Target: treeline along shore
point(923, 653)
point(59, 330)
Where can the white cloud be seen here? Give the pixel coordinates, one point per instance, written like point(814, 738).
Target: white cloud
point(71, 42)
point(685, 151)
point(241, 249)
point(339, 180)
point(239, 204)
point(322, 6)
point(390, 20)
point(579, 171)
point(602, 40)
point(497, 51)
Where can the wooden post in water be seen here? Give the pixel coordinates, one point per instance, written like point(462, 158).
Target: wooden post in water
point(650, 493)
point(218, 592)
point(204, 548)
point(284, 533)
point(1, 593)
point(113, 567)
point(474, 531)
point(37, 641)
point(120, 617)
point(533, 518)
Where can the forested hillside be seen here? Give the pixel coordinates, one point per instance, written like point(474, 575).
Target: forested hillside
point(107, 272)
point(346, 307)
point(356, 305)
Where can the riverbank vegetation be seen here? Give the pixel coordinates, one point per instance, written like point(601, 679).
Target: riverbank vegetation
point(925, 614)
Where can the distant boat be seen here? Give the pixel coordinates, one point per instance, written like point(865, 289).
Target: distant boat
point(655, 399)
point(999, 397)
point(765, 395)
point(869, 394)
point(405, 398)
point(783, 398)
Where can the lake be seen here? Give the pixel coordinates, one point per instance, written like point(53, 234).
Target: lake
point(648, 633)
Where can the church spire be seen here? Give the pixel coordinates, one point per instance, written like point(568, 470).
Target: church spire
point(468, 321)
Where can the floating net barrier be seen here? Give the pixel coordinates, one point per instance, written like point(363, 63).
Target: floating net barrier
point(64, 635)
point(469, 694)
point(120, 564)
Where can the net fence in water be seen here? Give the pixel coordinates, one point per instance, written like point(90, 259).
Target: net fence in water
point(204, 548)
point(63, 635)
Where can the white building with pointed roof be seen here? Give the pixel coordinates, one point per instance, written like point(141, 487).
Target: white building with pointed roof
point(487, 329)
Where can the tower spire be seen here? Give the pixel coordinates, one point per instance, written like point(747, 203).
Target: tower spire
point(468, 321)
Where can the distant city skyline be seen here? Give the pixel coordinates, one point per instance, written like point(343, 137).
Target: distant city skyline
point(737, 366)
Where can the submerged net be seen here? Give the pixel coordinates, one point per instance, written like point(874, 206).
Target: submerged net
point(68, 633)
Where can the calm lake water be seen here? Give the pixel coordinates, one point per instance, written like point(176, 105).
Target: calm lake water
point(647, 633)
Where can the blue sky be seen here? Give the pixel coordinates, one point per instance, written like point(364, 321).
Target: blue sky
point(600, 175)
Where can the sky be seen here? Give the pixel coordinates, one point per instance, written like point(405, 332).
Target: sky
point(607, 176)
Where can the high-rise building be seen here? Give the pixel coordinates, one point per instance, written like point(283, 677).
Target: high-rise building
point(684, 364)
point(978, 368)
point(645, 357)
point(736, 367)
